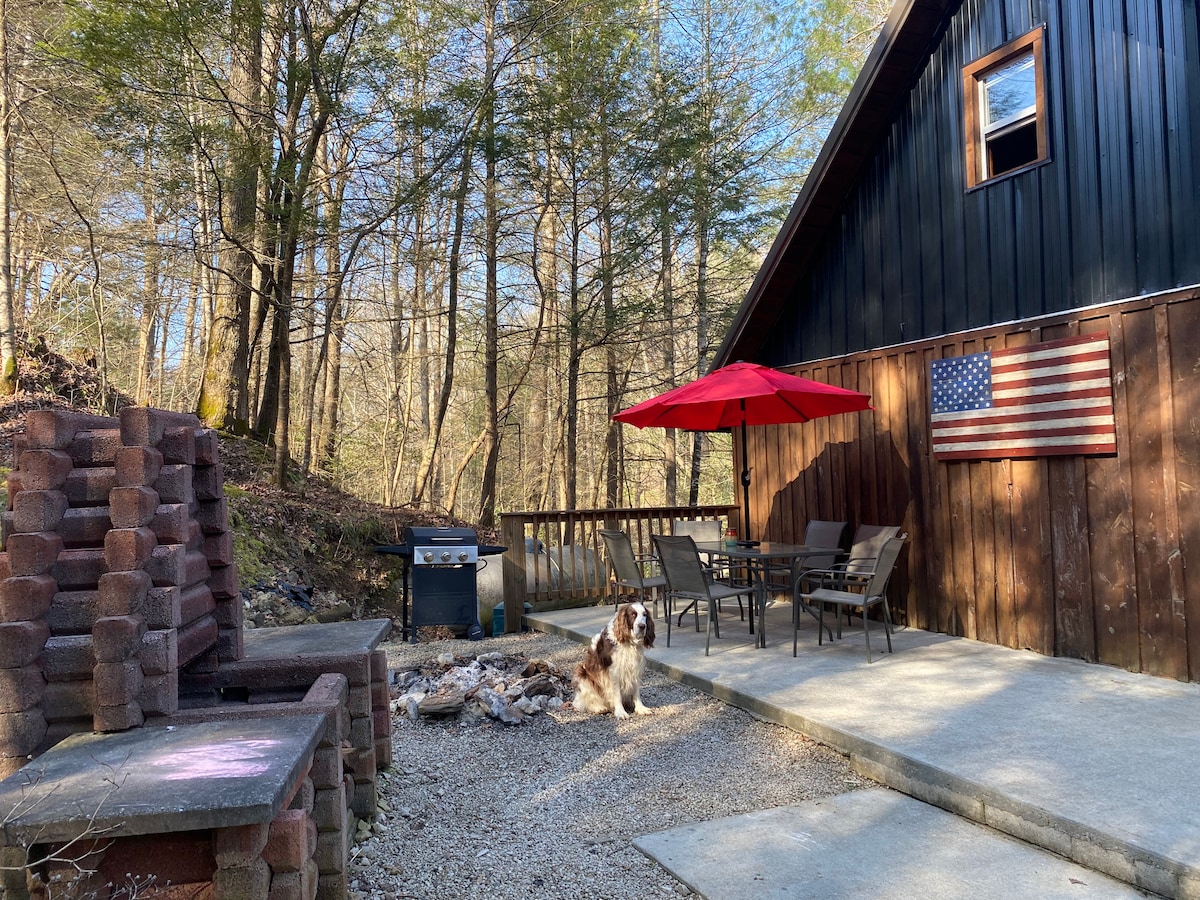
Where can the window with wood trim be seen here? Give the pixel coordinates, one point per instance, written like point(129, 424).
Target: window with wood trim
point(1004, 100)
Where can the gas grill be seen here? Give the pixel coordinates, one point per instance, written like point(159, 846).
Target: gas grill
point(441, 564)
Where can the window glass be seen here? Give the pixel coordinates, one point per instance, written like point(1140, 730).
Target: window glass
point(1010, 93)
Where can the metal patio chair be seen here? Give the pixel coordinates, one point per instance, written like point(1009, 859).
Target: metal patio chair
point(687, 579)
point(873, 592)
point(628, 569)
point(706, 531)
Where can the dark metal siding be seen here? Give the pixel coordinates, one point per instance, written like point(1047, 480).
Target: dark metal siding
point(1111, 216)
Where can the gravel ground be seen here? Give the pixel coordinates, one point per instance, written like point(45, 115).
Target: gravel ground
point(549, 809)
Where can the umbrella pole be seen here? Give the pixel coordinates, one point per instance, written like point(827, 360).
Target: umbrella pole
point(745, 476)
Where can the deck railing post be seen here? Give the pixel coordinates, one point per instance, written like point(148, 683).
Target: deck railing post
point(512, 530)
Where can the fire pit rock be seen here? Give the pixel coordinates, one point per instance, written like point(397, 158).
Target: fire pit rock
point(507, 689)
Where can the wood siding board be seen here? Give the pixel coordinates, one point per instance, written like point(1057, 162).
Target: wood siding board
point(1151, 196)
point(983, 532)
point(1110, 527)
point(1172, 565)
point(1184, 319)
point(1066, 500)
point(914, 465)
point(1115, 176)
point(1160, 638)
point(1002, 530)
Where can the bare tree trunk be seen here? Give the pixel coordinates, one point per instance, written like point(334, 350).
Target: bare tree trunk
point(491, 351)
point(8, 341)
point(223, 399)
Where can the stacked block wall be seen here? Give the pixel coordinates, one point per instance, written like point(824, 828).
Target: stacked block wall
point(117, 571)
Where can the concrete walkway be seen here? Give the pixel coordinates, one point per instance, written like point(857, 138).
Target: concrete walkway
point(1095, 764)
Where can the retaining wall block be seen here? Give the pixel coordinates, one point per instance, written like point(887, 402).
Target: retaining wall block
point(218, 549)
point(21, 643)
point(68, 657)
point(209, 482)
point(194, 602)
point(213, 515)
point(146, 426)
point(90, 487)
point(292, 841)
point(178, 445)
point(163, 607)
point(230, 644)
point(123, 593)
point(34, 553)
point(223, 582)
point(73, 612)
point(159, 652)
point(207, 446)
point(172, 523)
point(79, 568)
point(21, 732)
point(118, 718)
point(249, 882)
point(35, 510)
point(239, 845)
point(25, 598)
point(167, 565)
point(97, 447)
point(174, 484)
point(196, 639)
point(45, 469)
point(85, 526)
point(159, 695)
point(138, 465)
point(116, 639)
point(56, 429)
point(133, 506)
point(118, 683)
point(127, 549)
point(70, 703)
point(230, 612)
point(383, 753)
point(21, 688)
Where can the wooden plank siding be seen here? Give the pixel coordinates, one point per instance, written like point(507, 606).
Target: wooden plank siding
point(1088, 557)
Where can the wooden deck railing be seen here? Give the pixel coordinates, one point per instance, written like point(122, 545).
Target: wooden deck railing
point(556, 559)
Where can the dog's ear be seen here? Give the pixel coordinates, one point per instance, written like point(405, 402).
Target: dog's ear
point(648, 639)
point(622, 624)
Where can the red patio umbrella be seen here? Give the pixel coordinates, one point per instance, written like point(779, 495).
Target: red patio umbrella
point(743, 394)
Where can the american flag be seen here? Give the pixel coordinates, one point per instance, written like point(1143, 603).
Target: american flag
point(1050, 399)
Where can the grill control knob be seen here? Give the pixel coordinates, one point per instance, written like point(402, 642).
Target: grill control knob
point(462, 555)
point(445, 556)
point(428, 556)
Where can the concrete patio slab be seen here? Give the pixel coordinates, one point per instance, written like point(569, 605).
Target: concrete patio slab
point(1090, 762)
point(874, 843)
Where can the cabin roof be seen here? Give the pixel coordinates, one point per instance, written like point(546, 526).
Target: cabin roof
point(904, 45)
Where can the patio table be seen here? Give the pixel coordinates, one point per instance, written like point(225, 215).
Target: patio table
point(760, 558)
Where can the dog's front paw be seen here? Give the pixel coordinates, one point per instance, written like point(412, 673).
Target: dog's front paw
point(642, 710)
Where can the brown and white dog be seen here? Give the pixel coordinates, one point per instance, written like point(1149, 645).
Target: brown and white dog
point(610, 677)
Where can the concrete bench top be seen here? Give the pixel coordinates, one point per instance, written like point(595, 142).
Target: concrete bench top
point(300, 640)
point(158, 780)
